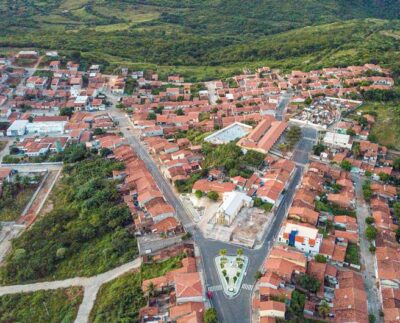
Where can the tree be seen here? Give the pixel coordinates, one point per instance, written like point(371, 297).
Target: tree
point(371, 318)
point(324, 309)
point(308, 101)
point(210, 316)
point(356, 149)
point(350, 132)
point(104, 152)
point(213, 196)
point(98, 132)
point(61, 253)
point(66, 111)
point(151, 116)
point(367, 191)
point(180, 112)
point(318, 149)
point(384, 177)
point(346, 165)
point(396, 209)
point(120, 106)
point(320, 258)
point(151, 290)
point(239, 252)
point(369, 220)
point(223, 252)
point(396, 164)
point(258, 275)
point(310, 283)
point(198, 194)
point(370, 232)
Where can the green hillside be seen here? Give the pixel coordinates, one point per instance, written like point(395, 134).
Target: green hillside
point(210, 37)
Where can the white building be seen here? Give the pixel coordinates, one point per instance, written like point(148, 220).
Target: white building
point(233, 202)
point(46, 127)
point(302, 237)
point(17, 128)
point(334, 139)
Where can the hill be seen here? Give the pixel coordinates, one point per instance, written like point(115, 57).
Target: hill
point(219, 36)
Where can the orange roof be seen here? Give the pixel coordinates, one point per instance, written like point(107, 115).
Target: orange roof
point(188, 285)
point(178, 311)
point(166, 224)
point(304, 214)
point(272, 306)
point(205, 185)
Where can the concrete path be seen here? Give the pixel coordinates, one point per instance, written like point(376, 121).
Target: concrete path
point(91, 287)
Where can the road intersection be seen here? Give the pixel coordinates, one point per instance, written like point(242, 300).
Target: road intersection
point(229, 309)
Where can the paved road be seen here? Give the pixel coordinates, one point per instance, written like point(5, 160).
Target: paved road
point(280, 111)
point(229, 310)
point(367, 258)
point(91, 287)
point(212, 94)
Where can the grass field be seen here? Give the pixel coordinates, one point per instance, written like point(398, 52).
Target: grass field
point(56, 306)
point(12, 211)
point(387, 126)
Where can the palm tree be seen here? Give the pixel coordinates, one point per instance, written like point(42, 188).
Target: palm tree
point(151, 290)
point(324, 309)
point(239, 252)
point(223, 252)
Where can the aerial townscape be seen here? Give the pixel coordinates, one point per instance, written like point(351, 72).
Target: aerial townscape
point(165, 185)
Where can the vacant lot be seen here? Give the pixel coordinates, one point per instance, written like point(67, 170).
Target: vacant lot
point(387, 125)
point(15, 197)
point(43, 306)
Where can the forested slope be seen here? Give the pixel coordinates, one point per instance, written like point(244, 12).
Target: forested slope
point(201, 33)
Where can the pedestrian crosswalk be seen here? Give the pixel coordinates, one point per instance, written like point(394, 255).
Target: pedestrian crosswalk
point(215, 288)
point(247, 286)
point(218, 288)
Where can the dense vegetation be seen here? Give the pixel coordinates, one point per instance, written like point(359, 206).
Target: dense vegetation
point(231, 158)
point(15, 196)
point(210, 38)
point(86, 232)
point(56, 306)
point(121, 299)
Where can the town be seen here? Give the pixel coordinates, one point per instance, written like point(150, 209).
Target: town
point(268, 189)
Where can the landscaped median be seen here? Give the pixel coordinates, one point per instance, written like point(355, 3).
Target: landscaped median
point(231, 271)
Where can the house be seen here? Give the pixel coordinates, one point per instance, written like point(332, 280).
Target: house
point(345, 222)
point(5, 174)
point(233, 202)
point(17, 128)
point(304, 214)
point(188, 288)
point(301, 236)
point(272, 309)
point(338, 140)
point(206, 186)
point(350, 300)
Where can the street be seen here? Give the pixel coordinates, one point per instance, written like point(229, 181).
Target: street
point(367, 258)
point(229, 309)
